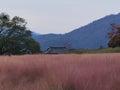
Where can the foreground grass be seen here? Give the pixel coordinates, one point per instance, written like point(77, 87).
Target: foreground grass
point(106, 50)
point(60, 72)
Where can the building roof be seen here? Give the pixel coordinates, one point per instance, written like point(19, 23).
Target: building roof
point(57, 50)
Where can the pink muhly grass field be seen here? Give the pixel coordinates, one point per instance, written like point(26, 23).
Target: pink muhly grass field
point(60, 72)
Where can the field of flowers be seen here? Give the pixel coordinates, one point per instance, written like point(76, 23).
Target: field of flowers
point(60, 72)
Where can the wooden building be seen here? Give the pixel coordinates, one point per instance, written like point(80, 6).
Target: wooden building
point(56, 50)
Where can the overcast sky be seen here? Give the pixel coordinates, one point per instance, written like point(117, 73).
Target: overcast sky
point(59, 16)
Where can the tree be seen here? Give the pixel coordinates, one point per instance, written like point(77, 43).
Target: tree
point(15, 38)
point(114, 36)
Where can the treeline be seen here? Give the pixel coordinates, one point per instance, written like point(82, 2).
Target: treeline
point(15, 38)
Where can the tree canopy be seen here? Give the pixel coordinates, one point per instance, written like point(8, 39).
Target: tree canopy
point(114, 36)
point(15, 38)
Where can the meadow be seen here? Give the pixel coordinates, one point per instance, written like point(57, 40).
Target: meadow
point(60, 72)
point(99, 50)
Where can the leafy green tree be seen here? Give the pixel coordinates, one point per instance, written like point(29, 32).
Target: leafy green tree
point(15, 38)
point(114, 36)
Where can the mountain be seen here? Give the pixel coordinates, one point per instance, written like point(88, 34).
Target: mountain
point(90, 36)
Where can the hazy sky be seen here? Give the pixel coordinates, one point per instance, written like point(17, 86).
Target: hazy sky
point(59, 16)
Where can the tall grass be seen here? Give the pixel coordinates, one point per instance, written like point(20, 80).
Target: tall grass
point(60, 72)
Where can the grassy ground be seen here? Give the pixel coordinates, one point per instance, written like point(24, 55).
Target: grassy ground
point(107, 50)
point(60, 72)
